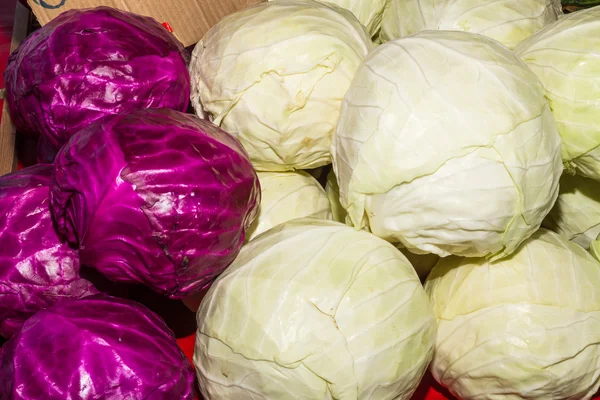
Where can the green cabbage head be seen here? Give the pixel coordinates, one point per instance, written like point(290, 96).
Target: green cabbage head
point(274, 75)
point(314, 309)
point(286, 196)
point(565, 56)
point(526, 327)
point(447, 145)
point(576, 213)
point(507, 21)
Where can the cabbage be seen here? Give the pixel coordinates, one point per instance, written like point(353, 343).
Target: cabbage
point(333, 193)
point(37, 269)
point(85, 64)
point(576, 213)
point(286, 196)
point(99, 347)
point(313, 309)
point(446, 144)
point(525, 327)
point(566, 57)
point(273, 75)
point(156, 197)
point(368, 12)
point(507, 21)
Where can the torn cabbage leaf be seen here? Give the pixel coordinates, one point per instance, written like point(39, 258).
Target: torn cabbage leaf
point(507, 21)
point(447, 145)
point(315, 310)
point(576, 213)
point(566, 57)
point(525, 327)
point(287, 196)
point(274, 76)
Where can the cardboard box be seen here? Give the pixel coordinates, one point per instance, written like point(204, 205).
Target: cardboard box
point(189, 19)
point(8, 153)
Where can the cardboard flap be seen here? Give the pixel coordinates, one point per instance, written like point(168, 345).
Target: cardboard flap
point(189, 19)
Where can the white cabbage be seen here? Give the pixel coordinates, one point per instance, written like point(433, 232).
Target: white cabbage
point(314, 309)
point(576, 213)
point(274, 75)
point(286, 196)
point(507, 21)
point(566, 57)
point(527, 327)
point(447, 145)
point(368, 12)
point(333, 193)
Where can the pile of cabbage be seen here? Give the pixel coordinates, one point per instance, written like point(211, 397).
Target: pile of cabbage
point(362, 192)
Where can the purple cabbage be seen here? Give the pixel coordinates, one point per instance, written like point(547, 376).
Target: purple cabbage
point(99, 347)
point(85, 64)
point(37, 269)
point(156, 197)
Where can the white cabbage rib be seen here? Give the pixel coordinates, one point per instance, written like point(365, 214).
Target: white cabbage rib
point(566, 57)
point(507, 21)
point(286, 196)
point(576, 214)
point(524, 327)
point(273, 75)
point(447, 145)
point(315, 310)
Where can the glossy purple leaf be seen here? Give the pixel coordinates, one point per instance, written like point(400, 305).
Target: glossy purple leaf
point(37, 269)
point(99, 347)
point(156, 197)
point(85, 64)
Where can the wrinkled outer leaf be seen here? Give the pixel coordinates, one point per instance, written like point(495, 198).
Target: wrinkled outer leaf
point(314, 309)
point(36, 268)
point(446, 144)
point(99, 347)
point(274, 76)
point(565, 56)
point(157, 197)
point(85, 64)
point(527, 327)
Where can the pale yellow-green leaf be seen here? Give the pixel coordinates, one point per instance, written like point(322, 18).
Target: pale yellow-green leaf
point(314, 309)
point(526, 327)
